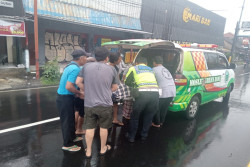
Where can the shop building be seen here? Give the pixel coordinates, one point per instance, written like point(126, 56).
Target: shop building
point(66, 25)
point(12, 33)
point(181, 21)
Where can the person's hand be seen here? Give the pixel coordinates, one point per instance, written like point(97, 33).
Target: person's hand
point(81, 95)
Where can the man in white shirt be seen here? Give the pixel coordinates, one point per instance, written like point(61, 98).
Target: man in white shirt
point(166, 84)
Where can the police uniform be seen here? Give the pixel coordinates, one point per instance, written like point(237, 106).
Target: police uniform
point(142, 77)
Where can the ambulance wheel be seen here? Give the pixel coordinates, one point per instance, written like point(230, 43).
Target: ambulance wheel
point(226, 98)
point(193, 107)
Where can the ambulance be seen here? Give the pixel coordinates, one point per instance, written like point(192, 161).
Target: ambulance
point(201, 74)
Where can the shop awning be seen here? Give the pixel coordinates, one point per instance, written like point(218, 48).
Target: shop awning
point(77, 14)
point(98, 26)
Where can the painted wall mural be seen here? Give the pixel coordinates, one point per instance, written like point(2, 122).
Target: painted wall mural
point(60, 46)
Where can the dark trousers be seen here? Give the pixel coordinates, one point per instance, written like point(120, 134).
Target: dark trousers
point(160, 115)
point(148, 103)
point(65, 106)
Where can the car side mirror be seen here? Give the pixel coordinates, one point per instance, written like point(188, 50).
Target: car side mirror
point(232, 66)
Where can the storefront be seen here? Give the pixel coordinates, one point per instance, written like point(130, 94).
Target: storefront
point(61, 30)
point(11, 42)
point(12, 33)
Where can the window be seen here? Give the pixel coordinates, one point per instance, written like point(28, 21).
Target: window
point(171, 58)
point(222, 63)
point(212, 60)
point(215, 61)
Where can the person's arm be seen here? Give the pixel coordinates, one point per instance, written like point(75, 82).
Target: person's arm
point(123, 78)
point(114, 87)
point(124, 66)
point(80, 80)
point(79, 83)
point(71, 87)
point(129, 80)
point(115, 81)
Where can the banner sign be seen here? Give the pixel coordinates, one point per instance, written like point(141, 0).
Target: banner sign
point(7, 4)
point(245, 25)
point(103, 40)
point(9, 28)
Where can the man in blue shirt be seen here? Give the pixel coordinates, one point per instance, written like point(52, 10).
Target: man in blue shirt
point(65, 100)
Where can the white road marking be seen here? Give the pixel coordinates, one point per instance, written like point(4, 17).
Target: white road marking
point(28, 89)
point(244, 73)
point(29, 125)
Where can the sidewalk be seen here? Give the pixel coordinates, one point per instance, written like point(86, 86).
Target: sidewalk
point(17, 78)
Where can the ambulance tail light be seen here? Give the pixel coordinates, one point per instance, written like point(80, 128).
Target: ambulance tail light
point(180, 80)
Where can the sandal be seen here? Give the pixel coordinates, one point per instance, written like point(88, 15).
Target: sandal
point(77, 139)
point(73, 148)
point(108, 149)
point(88, 157)
point(155, 125)
point(118, 123)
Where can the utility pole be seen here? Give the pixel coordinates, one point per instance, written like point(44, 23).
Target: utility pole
point(36, 40)
point(152, 35)
point(237, 31)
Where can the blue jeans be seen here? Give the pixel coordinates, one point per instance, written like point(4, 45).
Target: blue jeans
point(146, 102)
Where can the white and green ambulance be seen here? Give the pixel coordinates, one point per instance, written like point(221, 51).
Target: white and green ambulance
point(201, 75)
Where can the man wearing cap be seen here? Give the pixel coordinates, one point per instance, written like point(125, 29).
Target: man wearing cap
point(65, 100)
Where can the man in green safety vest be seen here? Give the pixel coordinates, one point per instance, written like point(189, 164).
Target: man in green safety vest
point(142, 77)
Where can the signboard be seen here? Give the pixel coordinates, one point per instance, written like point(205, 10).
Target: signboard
point(8, 28)
point(244, 33)
point(103, 40)
point(203, 81)
point(8, 4)
point(189, 16)
point(188, 22)
point(245, 25)
point(11, 8)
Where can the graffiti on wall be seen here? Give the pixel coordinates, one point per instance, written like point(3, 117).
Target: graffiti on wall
point(60, 46)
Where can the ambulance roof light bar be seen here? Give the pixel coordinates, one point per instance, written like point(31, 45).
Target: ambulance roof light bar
point(195, 45)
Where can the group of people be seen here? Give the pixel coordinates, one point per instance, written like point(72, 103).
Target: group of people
point(94, 92)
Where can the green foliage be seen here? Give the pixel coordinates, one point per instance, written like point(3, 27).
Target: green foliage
point(51, 73)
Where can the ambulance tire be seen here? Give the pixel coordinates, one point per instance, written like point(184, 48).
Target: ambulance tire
point(193, 107)
point(226, 98)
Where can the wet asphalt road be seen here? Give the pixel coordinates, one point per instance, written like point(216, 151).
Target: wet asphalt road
point(218, 137)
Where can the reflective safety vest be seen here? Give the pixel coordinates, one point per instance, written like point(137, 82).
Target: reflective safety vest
point(143, 76)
